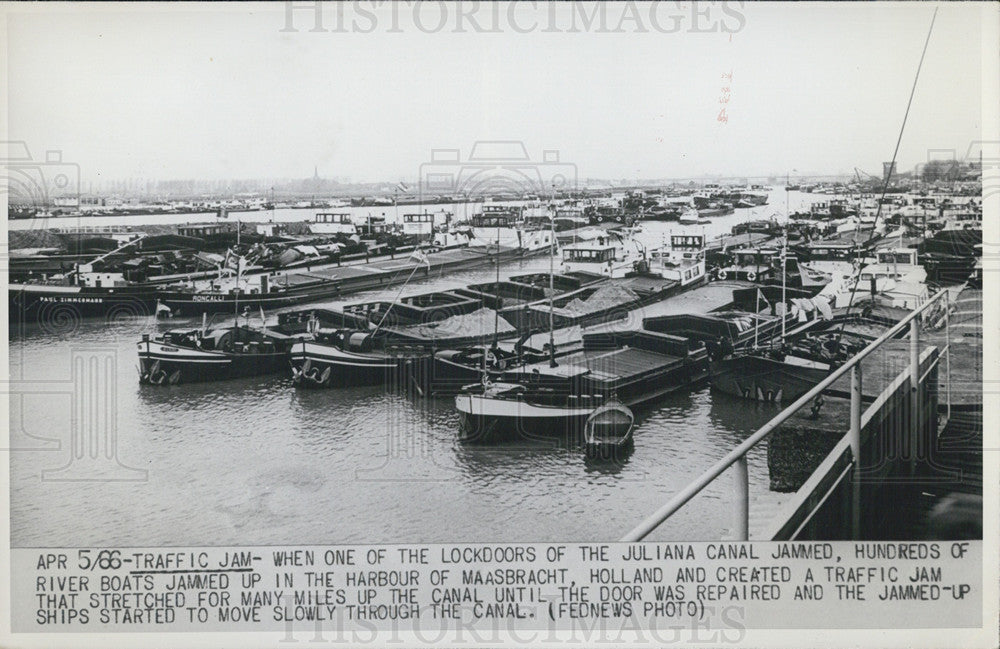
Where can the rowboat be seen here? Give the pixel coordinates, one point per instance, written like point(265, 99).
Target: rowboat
point(609, 429)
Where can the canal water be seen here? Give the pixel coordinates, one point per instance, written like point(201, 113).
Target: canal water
point(255, 461)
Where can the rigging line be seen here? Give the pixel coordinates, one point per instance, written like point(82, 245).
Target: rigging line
point(496, 290)
point(892, 166)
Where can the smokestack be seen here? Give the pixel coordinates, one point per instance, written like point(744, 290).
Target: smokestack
point(888, 169)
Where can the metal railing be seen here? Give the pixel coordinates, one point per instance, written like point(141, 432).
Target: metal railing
point(738, 456)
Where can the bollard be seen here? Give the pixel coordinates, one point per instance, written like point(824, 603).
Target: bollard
point(741, 512)
point(855, 439)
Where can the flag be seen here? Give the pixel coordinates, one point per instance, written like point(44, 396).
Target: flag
point(162, 310)
point(760, 296)
point(421, 257)
point(263, 318)
point(402, 187)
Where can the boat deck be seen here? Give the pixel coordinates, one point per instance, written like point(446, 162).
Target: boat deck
point(365, 272)
point(628, 363)
point(603, 366)
point(733, 241)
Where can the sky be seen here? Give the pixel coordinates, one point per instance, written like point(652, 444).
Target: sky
point(251, 91)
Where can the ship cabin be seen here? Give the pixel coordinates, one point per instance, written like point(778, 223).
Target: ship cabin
point(683, 261)
point(899, 264)
point(333, 223)
point(418, 225)
point(589, 256)
point(496, 216)
point(373, 225)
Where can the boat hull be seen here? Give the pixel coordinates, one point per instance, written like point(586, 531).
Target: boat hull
point(447, 375)
point(485, 419)
point(163, 364)
point(316, 365)
point(764, 379)
point(337, 284)
point(44, 305)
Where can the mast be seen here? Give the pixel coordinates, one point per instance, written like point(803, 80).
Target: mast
point(496, 292)
point(127, 244)
point(400, 293)
point(239, 269)
point(552, 262)
point(756, 319)
point(784, 282)
point(892, 166)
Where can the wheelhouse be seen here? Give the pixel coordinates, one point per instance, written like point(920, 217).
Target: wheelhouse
point(590, 254)
point(334, 218)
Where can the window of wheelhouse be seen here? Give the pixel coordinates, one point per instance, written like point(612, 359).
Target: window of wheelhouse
point(585, 255)
point(492, 221)
point(895, 258)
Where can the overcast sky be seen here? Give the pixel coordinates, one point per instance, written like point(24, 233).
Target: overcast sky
point(222, 92)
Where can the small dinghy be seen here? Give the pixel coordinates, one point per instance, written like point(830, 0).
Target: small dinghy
point(609, 429)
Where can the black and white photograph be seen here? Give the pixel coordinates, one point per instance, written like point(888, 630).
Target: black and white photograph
point(528, 291)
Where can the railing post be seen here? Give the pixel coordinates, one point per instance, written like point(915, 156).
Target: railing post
point(741, 512)
point(914, 428)
point(855, 438)
point(947, 344)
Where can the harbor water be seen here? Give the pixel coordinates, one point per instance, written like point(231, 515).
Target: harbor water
point(274, 464)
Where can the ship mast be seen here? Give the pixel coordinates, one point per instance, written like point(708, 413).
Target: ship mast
point(888, 175)
point(496, 292)
point(127, 244)
point(784, 282)
point(552, 256)
point(239, 269)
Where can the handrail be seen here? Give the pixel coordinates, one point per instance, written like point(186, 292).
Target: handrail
point(657, 518)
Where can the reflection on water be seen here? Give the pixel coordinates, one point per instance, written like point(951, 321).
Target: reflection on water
point(254, 461)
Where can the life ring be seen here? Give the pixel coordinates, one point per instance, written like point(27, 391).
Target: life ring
point(751, 276)
point(722, 275)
